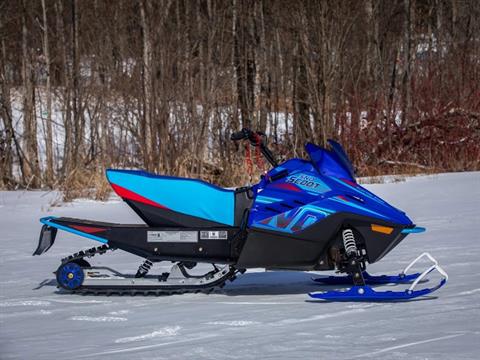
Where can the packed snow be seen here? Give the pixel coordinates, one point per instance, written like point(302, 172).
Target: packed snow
point(262, 315)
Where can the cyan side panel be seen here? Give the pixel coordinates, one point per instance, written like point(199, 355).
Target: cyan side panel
point(187, 196)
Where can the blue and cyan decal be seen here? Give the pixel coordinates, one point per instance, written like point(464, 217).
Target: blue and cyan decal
point(266, 199)
point(294, 220)
point(362, 209)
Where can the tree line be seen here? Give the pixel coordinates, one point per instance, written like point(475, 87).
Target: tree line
point(160, 85)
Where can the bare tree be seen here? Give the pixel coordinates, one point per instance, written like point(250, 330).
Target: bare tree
point(161, 85)
point(48, 93)
point(32, 167)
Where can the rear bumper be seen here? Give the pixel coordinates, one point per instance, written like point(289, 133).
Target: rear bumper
point(46, 239)
point(51, 224)
point(67, 224)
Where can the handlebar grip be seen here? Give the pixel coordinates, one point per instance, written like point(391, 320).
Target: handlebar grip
point(239, 135)
point(242, 134)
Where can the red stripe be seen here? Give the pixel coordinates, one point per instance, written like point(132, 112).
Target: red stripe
point(130, 195)
point(349, 182)
point(286, 186)
point(87, 229)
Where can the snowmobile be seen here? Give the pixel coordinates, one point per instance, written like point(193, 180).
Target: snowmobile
point(303, 214)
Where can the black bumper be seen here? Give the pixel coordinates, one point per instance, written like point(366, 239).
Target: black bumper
point(46, 239)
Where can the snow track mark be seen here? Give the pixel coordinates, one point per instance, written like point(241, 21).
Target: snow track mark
point(469, 292)
point(408, 345)
point(81, 301)
point(165, 332)
point(146, 347)
point(24, 303)
point(235, 323)
point(319, 317)
point(98, 318)
point(119, 312)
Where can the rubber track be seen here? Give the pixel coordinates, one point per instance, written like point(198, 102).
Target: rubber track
point(100, 250)
point(204, 289)
point(138, 290)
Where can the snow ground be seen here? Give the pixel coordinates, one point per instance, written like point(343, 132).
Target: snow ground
point(262, 315)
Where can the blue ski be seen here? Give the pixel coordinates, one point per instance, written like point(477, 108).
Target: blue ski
point(369, 279)
point(367, 293)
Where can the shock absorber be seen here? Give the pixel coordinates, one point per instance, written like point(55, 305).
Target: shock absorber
point(144, 269)
point(349, 243)
point(354, 265)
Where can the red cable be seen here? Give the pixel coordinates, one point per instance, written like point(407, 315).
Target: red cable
point(248, 159)
point(258, 156)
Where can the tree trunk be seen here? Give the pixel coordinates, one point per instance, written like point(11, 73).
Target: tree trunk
point(302, 126)
point(235, 65)
point(78, 117)
point(407, 52)
point(48, 90)
point(32, 168)
point(250, 68)
point(68, 146)
point(263, 73)
point(6, 143)
point(147, 83)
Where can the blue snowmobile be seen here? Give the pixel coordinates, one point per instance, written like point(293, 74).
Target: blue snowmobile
point(306, 215)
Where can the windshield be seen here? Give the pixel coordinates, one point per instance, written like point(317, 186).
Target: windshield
point(332, 162)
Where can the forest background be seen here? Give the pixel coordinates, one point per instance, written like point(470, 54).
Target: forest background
point(160, 85)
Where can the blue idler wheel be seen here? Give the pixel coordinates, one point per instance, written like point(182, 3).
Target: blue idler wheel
point(70, 276)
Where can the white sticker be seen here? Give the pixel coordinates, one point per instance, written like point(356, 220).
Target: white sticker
point(213, 235)
point(172, 236)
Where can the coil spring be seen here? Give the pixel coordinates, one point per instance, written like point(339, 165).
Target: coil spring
point(144, 268)
point(349, 242)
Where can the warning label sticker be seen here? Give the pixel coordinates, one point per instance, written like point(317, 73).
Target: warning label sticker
point(172, 236)
point(214, 235)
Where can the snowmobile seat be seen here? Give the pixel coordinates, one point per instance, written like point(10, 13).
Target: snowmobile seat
point(166, 200)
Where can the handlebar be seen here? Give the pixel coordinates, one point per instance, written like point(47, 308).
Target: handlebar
point(256, 139)
point(240, 135)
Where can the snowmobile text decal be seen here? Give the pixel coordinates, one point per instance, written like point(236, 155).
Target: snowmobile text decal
point(307, 182)
point(213, 235)
point(172, 236)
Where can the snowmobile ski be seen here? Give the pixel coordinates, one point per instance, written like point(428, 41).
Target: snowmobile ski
point(367, 293)
point(369, 279)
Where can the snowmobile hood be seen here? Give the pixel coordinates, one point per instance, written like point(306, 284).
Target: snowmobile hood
point(336, 169)
point(353, 195)
point(307, 194)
